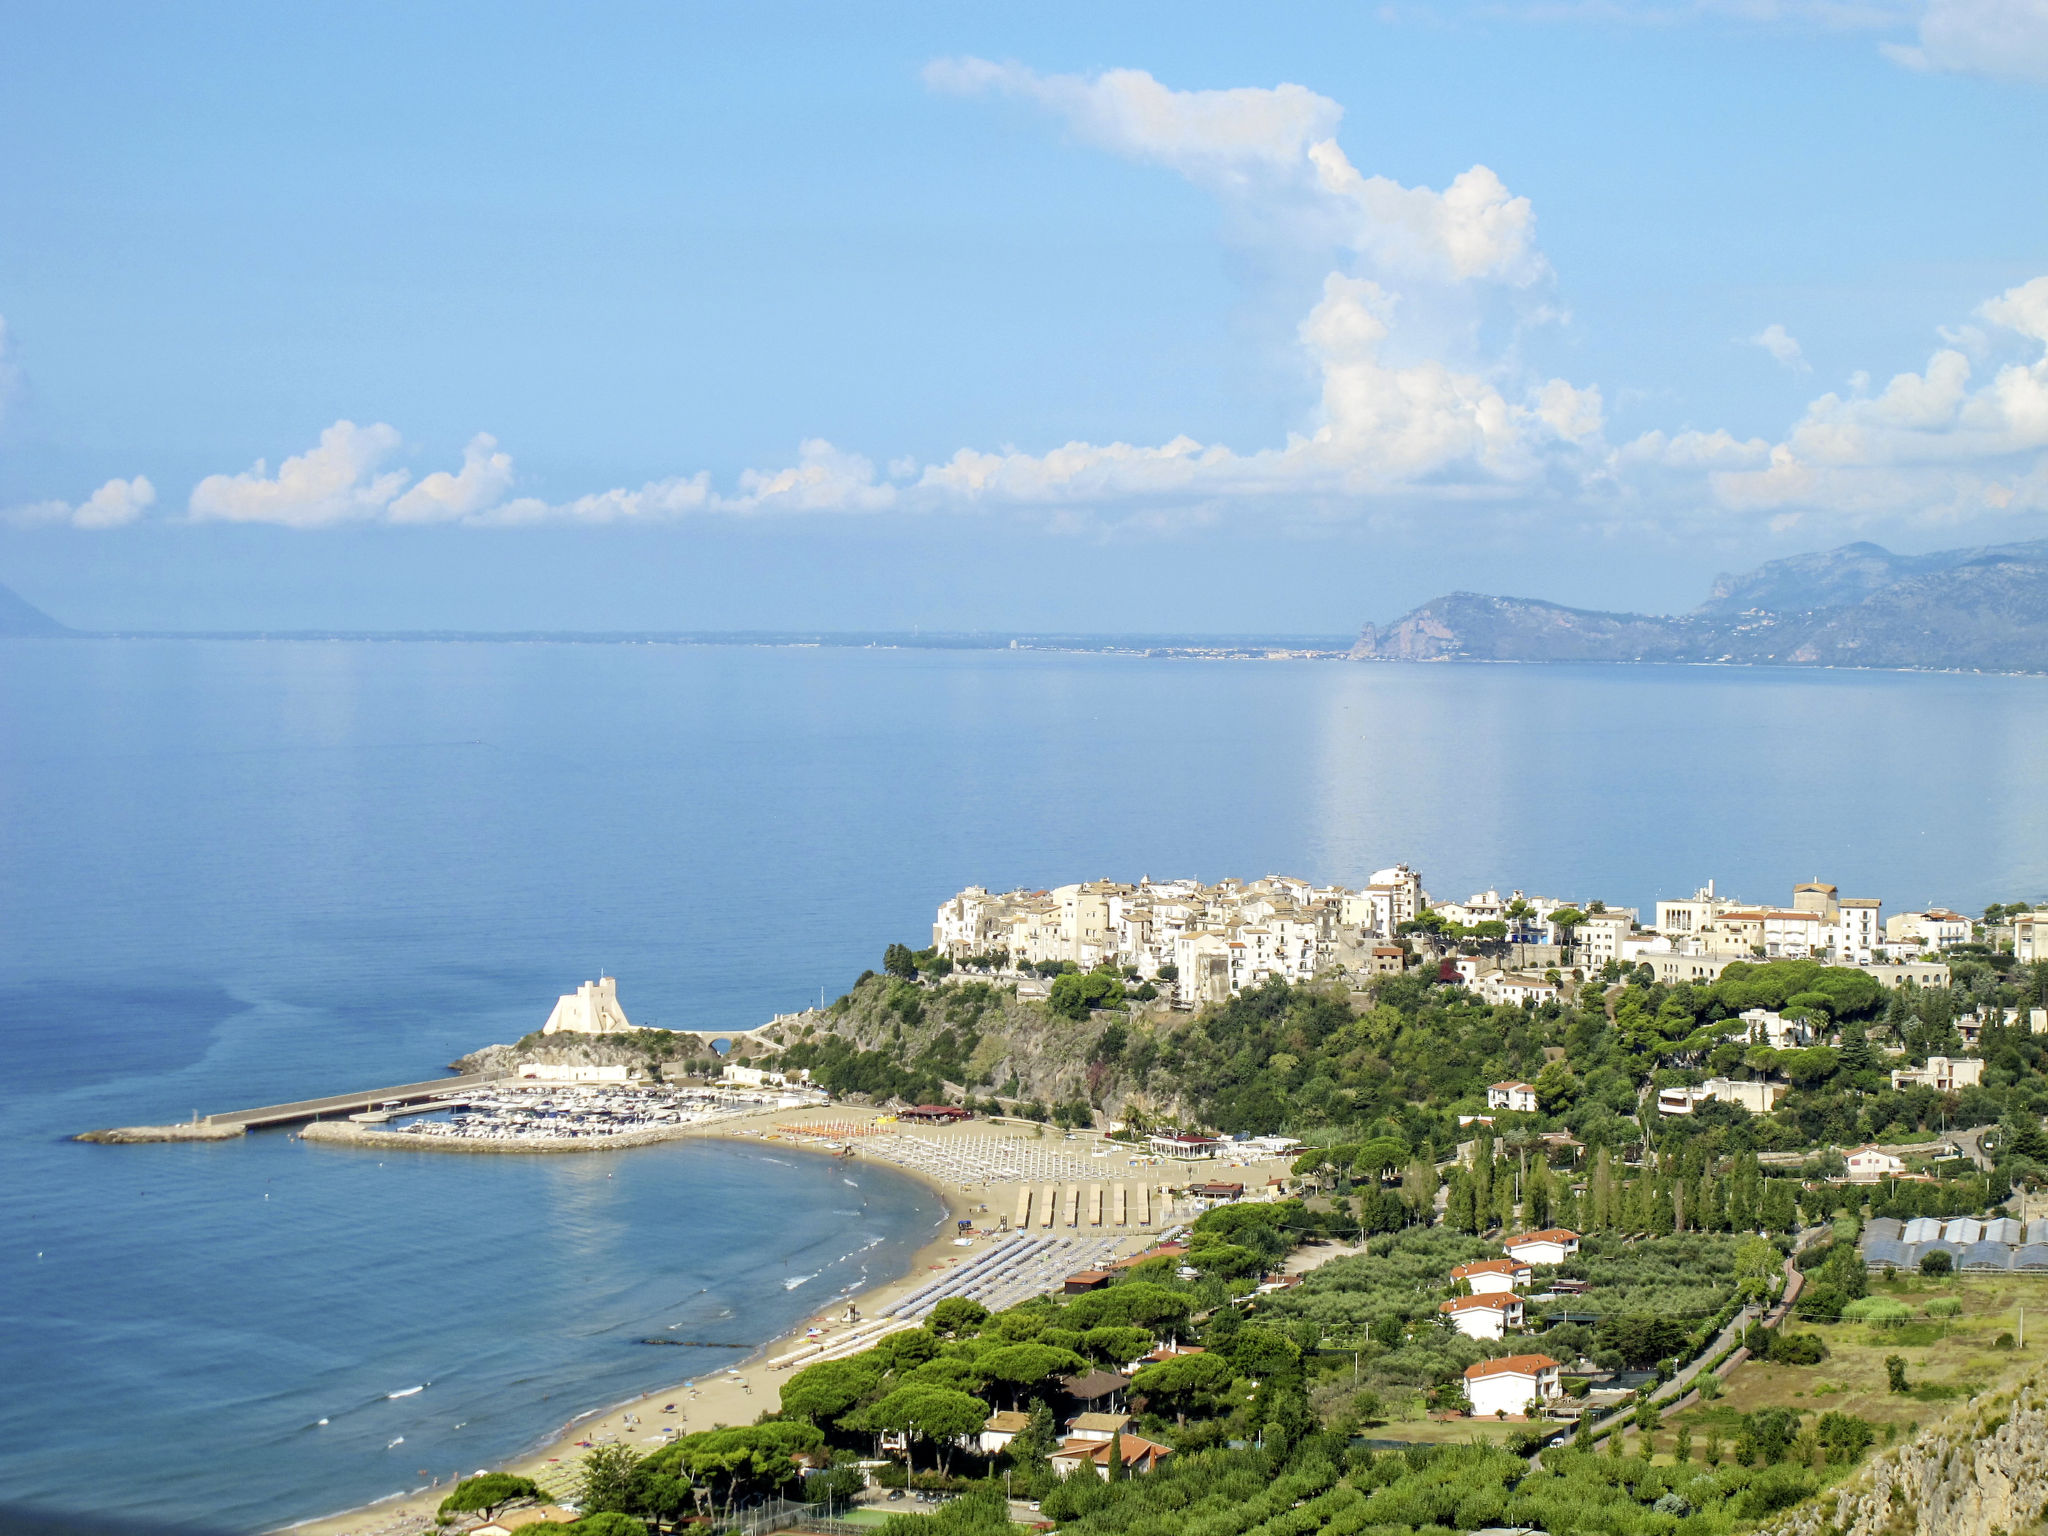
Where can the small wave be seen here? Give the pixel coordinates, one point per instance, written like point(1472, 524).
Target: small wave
point(394, 1445)
point(790, 1285)
point(778, 1162)
point(849, 1181)
point(408, 1392)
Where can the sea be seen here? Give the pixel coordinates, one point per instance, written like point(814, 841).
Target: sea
point(236, 872)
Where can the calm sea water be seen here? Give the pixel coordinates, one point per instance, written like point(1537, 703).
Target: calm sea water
point(241, 872)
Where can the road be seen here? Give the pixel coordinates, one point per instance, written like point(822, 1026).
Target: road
point(1678, 1393)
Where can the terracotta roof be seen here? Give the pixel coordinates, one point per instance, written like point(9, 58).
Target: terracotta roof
point(1498, 1301)
point(1547, 1235)
point(1511, 1365)
point(1111, 1422)
point(1007, 1422)
point(1135, 1448)
point(1490, 1267)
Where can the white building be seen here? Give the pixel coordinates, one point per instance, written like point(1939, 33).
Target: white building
point(1492, 1277)
point(1512, 1385)
point(1683, 919)
point(1764, 1027)
point(1859, 930)
point(1484, 1316)
point(1759, 1098)
point(1867, 1165)
point(1514, 1096)
point(1935, 929)
point(2030, 937)
point(1001, 1429)
point(1941, 1074)
point(562, 1072)
point(1553, 1245)
point(752, 1077)
point(1600, 937)
point(1498, 987)
point(592, 1009)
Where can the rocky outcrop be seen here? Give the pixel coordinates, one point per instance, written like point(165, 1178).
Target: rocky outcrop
point(1981, 1472)
point(1857, 606)
point(643, 1048)
point(129, 1135)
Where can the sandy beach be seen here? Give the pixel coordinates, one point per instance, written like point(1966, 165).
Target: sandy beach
point(742, 1393)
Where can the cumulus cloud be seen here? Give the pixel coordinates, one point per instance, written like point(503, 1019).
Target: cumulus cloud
point(1382, 428)
point(2005, 39)
point(1278, 144)
point(1775, 340)
point(340, 481)
point(114, 505)
point(1939, 443)
point(484, 481)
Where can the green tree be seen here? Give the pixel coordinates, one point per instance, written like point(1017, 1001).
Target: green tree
point(823, 1392)
point(1074, 994)
point(1028, 1367)
point(606, 1480)
point(900, 960)
point(1938, 1262)
point(1184, 1384)
point(1895, 1374)
point(483, 1493)
point(957, 1316)
point(1756, 1268)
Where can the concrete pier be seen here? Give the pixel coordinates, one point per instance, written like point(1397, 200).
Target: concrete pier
point(234, 1122)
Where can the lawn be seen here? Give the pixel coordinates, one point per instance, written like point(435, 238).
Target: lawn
point(1947, 1359)
point(1443, 1431)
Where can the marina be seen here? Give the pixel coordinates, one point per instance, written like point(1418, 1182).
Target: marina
point(514, 1116)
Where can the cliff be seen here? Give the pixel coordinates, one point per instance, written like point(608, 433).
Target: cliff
point(974, 1037)
point(1859, 606)
point(1982, 1471)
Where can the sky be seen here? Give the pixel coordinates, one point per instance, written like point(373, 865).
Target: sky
point(1188, 318)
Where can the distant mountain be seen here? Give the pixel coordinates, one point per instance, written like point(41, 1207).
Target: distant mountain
point(18, 616)
point(1858, 606)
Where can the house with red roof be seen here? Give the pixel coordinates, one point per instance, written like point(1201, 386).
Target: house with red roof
point(1509, 1386)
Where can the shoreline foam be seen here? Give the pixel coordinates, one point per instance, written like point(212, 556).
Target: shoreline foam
point(717, 1401)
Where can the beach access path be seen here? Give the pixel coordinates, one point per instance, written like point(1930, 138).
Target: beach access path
point(740, 1395)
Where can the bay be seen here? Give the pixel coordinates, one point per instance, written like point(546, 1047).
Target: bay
point(237, 872)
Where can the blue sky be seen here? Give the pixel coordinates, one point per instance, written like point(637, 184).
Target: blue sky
point(1170, 318)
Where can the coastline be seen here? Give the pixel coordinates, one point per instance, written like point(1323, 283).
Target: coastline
point(726, 1397)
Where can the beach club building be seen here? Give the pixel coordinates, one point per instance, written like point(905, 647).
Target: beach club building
point(1553, 1245)
point(1489, 1277)
point(1508, 1386)
point(1483, 1317)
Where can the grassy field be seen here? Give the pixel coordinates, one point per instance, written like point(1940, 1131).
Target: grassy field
point(1443, 1431)
point(1947, 1359)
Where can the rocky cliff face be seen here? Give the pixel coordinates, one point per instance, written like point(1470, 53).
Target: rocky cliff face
point(1981, 1472)
point(1858, 606)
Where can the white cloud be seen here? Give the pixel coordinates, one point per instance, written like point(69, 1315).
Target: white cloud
point(114, 505)
point(481, 484)
point(2006, 39)
point(1775, 340)
point(340, 481)
point(1279, 145)
point(1382, 428)
point(1936, 444)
